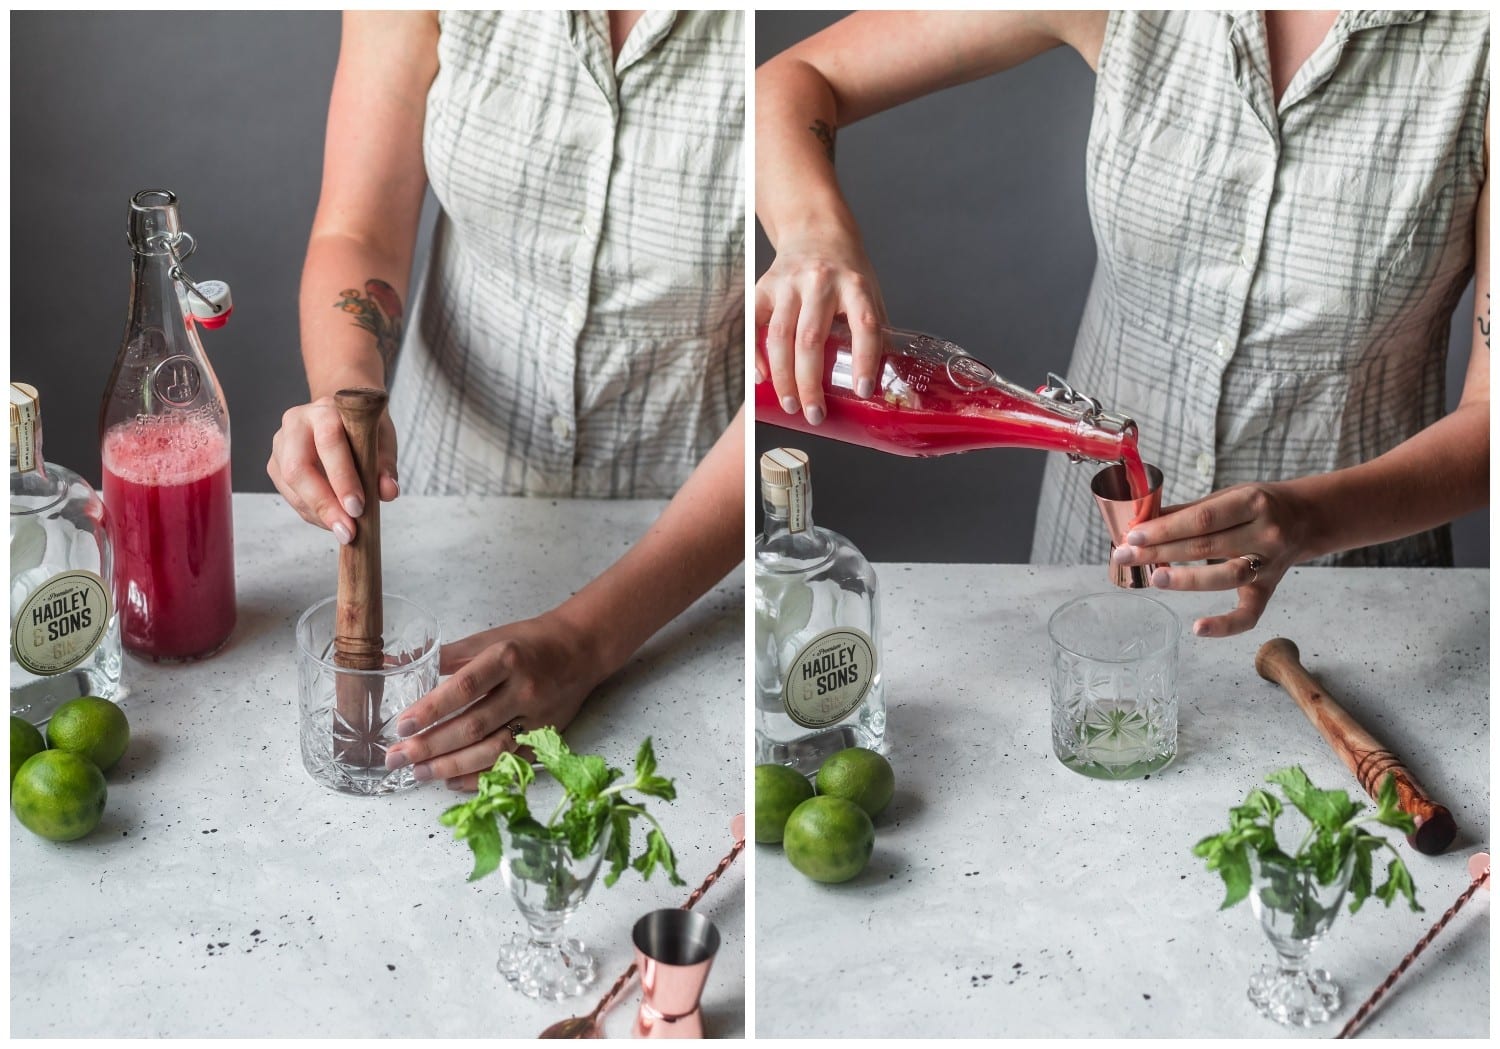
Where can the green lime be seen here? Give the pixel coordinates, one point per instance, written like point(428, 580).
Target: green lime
point(25, 741)
point(829, 839)
point(58, 795)
point(858, 775)
point(778, 790)
point(92, 728)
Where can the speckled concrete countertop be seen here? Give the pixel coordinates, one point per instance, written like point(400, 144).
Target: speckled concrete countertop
point(226, 894)
point(1008, 896)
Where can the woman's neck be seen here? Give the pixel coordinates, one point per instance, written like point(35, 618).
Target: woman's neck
point(1291, 38)
point(620, 25)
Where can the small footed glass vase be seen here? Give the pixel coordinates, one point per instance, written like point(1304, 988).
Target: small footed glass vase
point(548, 884)
point(1296, 912)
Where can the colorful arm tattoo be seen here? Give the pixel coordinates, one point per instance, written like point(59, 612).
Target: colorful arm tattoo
point(378, 311)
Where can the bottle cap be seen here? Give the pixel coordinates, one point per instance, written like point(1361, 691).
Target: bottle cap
point(784, 468)
point(785, 481)
point(24, 417)
point(214, 312)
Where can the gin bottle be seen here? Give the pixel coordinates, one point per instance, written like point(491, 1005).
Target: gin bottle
point(64, 626)
point(817, 630)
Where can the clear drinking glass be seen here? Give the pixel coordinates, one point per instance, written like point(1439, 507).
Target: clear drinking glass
point(345, 750)
point(1114, 684)
point(1295, 912)
point(548, 883)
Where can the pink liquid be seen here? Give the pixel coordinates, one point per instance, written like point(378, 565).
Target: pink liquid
point(936, 418)
point(166, 484)
point(1135, 476)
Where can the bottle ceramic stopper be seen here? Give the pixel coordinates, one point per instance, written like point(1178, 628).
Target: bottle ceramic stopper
point(786, 483)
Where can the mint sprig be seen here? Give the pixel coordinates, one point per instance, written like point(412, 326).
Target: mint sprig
point(594, 797)
point(1336, 833)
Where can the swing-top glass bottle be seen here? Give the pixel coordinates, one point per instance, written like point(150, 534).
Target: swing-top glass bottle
point(164, 435)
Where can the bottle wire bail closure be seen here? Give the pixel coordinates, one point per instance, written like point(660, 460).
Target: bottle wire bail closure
point(209, 302)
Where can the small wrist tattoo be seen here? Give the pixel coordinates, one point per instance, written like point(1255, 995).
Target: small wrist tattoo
point(1483, 320)
point(377, 310)
point(826, 133)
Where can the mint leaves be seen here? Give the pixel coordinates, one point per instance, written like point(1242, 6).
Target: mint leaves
point(594, 799)
point(1336, 834)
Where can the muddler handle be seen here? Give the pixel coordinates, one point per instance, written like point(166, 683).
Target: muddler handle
point(357, 633)
point(1278, 660)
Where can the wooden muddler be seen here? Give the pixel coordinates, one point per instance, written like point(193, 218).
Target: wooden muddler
point(1278, 660)
point(357, 642)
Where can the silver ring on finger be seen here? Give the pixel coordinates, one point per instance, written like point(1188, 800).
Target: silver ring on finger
point(515, 727)
point(1256, 563)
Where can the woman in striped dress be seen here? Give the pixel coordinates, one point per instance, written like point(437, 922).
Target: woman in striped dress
point(1287, 207)
point(578, 330)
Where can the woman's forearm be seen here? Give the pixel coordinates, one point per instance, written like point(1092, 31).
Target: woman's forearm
point(354, 278)
point(351, 340)
point(1434, 477)
point(696, 541)
point(865, 64)
point(796, 125)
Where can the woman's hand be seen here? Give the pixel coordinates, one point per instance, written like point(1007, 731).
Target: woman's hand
point(505, 681)
point(814, 278)
point(1259, 530)
point(313, 468)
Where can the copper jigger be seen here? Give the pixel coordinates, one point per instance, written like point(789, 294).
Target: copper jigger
point(1121, 513)
point(674, 950)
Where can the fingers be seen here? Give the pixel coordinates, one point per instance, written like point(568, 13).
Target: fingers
point(762, 318)
point(797, 300)
point(297, 469)
point(1227, 575)
point(781, 331)
point(389, 486)
point(864, 313)
point(471, 680)
point(1223, 525)
point(337, 461)
point(812, 333)
point(1253, 601)
point(469, 742)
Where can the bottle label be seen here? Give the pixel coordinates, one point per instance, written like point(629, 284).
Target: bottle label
point(60, 623)
point(796, 508)
point(829, 678)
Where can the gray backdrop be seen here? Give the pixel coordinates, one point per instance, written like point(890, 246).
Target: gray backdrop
point(228, 110)
point(973, 211)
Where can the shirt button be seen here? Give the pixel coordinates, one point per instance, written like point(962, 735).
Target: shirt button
point(1205, 466)
point(573, 316)
point(1244, 258)
point(560, 427)
point(1221, 347)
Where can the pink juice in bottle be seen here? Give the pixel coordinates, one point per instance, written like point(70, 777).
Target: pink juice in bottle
point(938, 402)
point(166, 484)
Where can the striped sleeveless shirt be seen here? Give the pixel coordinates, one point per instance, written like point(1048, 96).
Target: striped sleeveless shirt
point(1275, 281)
point(580, 327)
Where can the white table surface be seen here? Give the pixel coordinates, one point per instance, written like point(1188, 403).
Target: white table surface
point(226, 894)
point(1008, 896)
